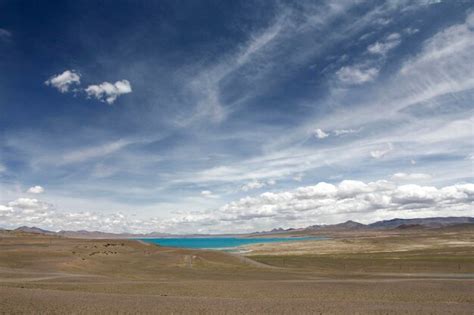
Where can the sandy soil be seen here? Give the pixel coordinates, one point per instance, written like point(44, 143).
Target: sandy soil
point(371, 242)
point(348, 274)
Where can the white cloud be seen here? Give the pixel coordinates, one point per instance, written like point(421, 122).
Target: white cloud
point(64, 80)
point(36, 190)
point(383, 21)
point(208, 194)
point(340, 132)
point(470, 19)
point(410, 176)
point(380, 153)
point(384, 46)
point(349, 199)
point(449, 49)
point(298, 177)
point(206, 85)
point(29, 204)
point(257, 184)
point(304, 206)
point(106, 92)
point(320, 134)
point(411, 31)
point(258, 43)
point(109, 92)
point(357, 74)
point(94, 152)
point(4, 210)
point(252, 185)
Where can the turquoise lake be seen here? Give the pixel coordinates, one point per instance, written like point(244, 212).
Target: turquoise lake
point(221, 242)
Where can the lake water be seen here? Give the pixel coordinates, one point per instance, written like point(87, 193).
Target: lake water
point(221, 242)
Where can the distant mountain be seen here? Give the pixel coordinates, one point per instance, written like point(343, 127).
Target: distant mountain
point(394, 224)
point(425, 222)
point(351, 225)
point(348, 225)
point(86, 234)
point(400, 224)
point(33, 229)
point(98, 234)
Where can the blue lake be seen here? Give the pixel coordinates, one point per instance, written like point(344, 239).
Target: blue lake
point(221, 242)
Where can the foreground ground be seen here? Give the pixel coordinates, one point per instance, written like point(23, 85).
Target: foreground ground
point(416, 271)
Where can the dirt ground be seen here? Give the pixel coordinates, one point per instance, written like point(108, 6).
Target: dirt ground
point(407, 272)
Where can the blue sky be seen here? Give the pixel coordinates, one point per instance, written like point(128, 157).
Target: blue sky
point(234, 116)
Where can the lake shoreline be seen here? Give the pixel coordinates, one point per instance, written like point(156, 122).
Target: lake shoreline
point(231, 244)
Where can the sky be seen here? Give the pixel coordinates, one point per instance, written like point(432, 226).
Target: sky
point(234, 116)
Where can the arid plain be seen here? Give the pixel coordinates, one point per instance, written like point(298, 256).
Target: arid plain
point(415, 271)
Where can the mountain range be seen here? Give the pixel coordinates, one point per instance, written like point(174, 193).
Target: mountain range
point(350, 225)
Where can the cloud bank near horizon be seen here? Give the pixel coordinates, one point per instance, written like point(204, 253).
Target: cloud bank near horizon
point(322, 203)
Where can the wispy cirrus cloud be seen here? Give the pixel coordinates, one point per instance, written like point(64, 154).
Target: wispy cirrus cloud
point(357, 74)
point(5, 34)
point(81, 155)
point(255, 184)
point(410, 176)
point(384, 46)
point(240, 111)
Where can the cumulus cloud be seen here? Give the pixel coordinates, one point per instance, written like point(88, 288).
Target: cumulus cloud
point(29, 204)
point(64, 81)
point(410, 176)
point(109, 92)
point(33, 212)
point(36, 190)
point(384, 46)
point(303, 206)
point(5, 209)
point(105, 92)
point(357, 74)
point(320, 134)
point(326, 202)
